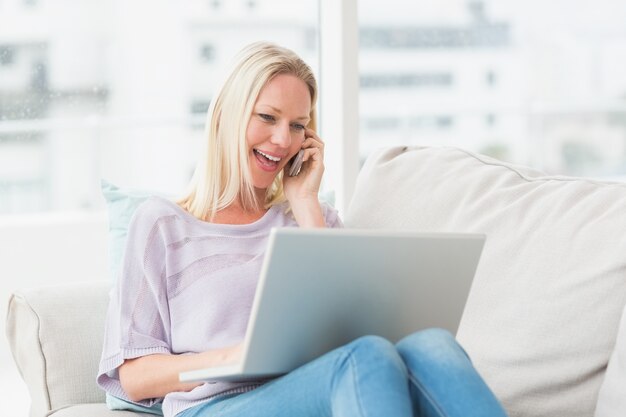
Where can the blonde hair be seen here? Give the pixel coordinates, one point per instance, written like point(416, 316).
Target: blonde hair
point(223, 172)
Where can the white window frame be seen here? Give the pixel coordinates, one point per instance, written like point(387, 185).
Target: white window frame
point(339, 96)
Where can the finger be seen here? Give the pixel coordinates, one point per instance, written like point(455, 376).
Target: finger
point(315, 146)
point(312, 142)
point(310, 133)
point(312, 153)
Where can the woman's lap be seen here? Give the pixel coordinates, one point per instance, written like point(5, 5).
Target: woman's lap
point(368, 377)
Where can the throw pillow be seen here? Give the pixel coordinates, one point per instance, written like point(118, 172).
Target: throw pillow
point(121, 204)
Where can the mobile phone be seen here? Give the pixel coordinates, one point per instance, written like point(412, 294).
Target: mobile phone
point(296, 164)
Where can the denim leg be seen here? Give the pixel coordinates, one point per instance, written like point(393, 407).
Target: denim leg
point(444, 383)
point(365, 378)
point(373, 381)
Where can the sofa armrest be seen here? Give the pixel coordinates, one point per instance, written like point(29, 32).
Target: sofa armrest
point(55, 334)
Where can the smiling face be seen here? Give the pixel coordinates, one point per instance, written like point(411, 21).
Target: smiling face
point(276, 129)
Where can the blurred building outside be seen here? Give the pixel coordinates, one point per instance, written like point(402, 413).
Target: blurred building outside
point(103, 92)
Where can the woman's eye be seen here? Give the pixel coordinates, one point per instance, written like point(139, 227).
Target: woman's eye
point(266, 117)
point(297, 127)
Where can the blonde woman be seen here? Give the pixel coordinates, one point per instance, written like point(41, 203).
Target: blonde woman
point(190, 270)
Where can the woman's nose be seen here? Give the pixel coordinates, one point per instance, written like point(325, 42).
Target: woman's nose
point(281, 135)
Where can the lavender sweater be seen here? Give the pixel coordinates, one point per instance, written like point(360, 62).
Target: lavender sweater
point(186, 286)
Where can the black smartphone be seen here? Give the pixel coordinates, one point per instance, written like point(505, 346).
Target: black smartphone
point(296, 164)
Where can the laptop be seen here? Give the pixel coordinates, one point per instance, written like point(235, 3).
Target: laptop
point(322, 288)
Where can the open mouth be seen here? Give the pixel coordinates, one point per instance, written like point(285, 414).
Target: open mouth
point(267, 162)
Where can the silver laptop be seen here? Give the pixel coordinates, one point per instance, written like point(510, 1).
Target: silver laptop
point(322, 288)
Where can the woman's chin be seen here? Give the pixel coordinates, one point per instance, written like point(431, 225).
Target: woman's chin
point(261, 185)
point(264, 181)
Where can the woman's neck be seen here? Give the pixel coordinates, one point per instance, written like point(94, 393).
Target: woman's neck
point(236, 214)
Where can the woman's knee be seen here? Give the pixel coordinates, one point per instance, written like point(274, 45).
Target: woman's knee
point(433, 345)
point(371, 345)
point(374, 351)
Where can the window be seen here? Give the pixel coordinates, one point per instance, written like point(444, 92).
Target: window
point(122, 96)
point(490, 78)
point(6, 55)
point(532, 82)
point(403, 80)
point(207, 52)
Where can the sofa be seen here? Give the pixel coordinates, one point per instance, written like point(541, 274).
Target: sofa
point(540, 324)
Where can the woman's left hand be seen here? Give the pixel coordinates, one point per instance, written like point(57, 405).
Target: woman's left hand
point(306, 184)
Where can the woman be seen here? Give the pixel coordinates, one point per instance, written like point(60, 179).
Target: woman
point(190, 270)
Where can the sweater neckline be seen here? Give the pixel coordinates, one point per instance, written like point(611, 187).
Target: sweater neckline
point(246, 227)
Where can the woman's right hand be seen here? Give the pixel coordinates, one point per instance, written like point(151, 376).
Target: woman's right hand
point(154, 376)
point(224, 356)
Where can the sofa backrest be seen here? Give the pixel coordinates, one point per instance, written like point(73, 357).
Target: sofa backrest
point(55, 334)
point(541, 319)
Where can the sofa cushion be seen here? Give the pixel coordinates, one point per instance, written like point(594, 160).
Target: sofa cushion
point(55, 334)
point(612, 397)
point(93, 410)
point(541, 318)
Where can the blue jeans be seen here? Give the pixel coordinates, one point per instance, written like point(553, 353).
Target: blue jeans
point(425, 374)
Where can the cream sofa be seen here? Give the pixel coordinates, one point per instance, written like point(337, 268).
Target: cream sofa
point(541, 320)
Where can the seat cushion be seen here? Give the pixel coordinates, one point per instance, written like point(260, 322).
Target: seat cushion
point(93, 410)
point(541, 319)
